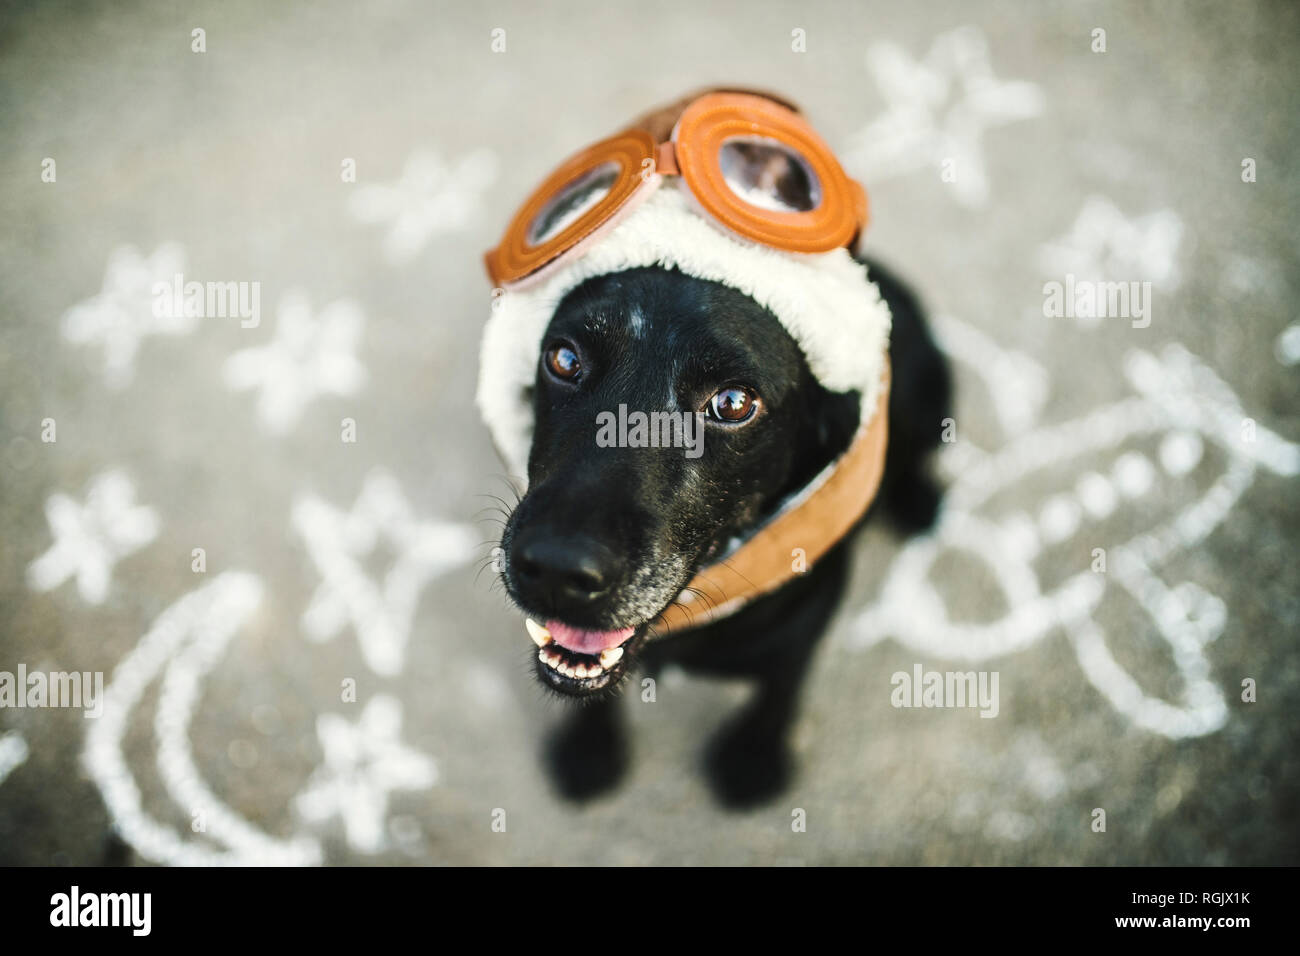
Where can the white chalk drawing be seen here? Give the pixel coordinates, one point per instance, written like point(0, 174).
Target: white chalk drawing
point(122, 313)
point(13, 753)
point(308, 356)
point(186, 641)
point(938, 110)
point(1019, 775)
point(1250, 275)
point(1287, 347)
point(364, 763)
point(338, 543)
point(1022, 383)
point(1182, 404)
point(1103, 243)
point(430, 198)
point(90, 539)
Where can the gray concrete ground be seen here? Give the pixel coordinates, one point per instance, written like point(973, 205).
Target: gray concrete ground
point(1003, 150)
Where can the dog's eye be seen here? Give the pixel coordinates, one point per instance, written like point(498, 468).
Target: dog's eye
point(563, 362)
point(733, 405)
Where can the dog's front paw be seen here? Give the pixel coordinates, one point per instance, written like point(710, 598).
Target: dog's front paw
point(587, 754)
point(747, 766)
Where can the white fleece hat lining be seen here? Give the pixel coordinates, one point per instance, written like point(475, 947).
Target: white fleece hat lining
point(825, 301)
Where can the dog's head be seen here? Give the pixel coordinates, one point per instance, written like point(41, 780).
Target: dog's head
point(613, 528)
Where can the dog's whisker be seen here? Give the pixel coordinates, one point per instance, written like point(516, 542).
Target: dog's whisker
point(728, 565)
point(721, 597)
point(510, 483)
point(699, 593)
point(690, 611)
point(497, 498)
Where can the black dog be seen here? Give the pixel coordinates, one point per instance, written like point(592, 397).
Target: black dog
point(606, 538)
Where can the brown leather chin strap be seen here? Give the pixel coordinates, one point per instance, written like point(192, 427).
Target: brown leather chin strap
point(797, 536)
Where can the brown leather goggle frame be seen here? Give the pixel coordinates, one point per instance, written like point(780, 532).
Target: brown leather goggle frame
point(686, 139)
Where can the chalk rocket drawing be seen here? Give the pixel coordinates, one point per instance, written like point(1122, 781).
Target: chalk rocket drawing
point(1182, 405)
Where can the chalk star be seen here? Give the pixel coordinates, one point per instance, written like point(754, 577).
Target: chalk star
point(938, 110)
point(123, 313)
point(1103, 243)
point(308, 356)
point(428, 199)
point(338, 542)
point(13, 753)
point(90, 539)
point(363, 764)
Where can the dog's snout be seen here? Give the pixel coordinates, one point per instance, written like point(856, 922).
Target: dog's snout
point(567, 571)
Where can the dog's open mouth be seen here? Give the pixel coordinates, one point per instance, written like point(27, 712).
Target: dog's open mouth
point(577, 660)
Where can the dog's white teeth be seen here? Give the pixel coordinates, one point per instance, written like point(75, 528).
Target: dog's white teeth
point(540, 635)
point(556, 660)
point(610, 656)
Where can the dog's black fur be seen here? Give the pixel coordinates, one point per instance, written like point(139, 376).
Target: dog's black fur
point(608, 537)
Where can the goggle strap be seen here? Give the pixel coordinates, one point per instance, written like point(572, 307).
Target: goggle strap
point(822, 514)
point(666, 159)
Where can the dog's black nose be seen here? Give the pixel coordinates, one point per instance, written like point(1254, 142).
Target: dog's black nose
point(566, 571)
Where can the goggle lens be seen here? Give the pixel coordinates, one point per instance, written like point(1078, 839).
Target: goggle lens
point(767, 174)
point(573, 202)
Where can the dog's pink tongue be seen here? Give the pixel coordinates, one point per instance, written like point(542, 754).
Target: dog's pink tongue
point(582, 641)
